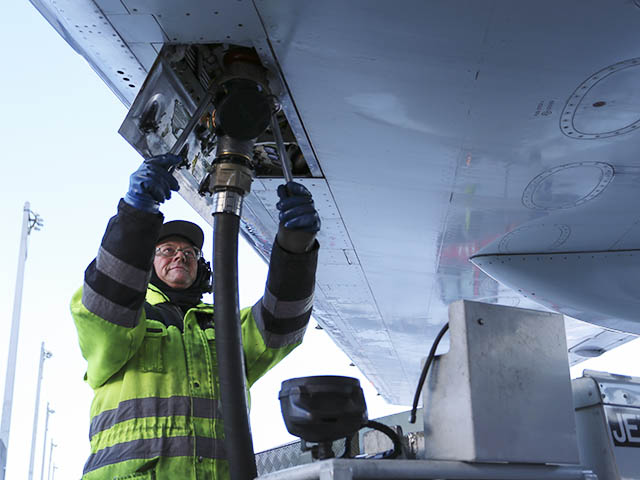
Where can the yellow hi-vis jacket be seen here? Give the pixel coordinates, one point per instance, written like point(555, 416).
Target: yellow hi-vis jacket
point(155, 414)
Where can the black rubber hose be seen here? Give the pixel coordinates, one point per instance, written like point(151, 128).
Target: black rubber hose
point(425, 370)
point(237, 432)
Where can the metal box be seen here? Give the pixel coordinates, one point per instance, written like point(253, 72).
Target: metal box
point(503, 391)
point(608, 422)
point(358, 469)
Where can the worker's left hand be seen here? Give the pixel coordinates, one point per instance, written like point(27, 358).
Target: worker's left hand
point(299, 220)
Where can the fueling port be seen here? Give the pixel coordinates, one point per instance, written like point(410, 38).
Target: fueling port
point(177, 83)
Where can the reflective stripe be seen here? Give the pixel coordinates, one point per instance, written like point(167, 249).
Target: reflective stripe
point(283, 309)
point(275, 340)
point(121, 271)
point(206, 408)
point(156, 447)
point(154, 407)
point(108, 310)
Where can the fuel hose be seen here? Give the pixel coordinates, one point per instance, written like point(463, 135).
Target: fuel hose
point(231, 371)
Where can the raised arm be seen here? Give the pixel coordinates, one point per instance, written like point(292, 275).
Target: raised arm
point(282, 314)
point(108, 309)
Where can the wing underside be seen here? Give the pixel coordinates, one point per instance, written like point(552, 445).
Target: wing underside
point(433, 132)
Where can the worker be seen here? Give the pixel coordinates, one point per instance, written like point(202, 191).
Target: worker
point(150, 343)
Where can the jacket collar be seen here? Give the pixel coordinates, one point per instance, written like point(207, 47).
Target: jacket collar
point(155, 296)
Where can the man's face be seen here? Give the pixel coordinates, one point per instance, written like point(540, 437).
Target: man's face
point(180, 270)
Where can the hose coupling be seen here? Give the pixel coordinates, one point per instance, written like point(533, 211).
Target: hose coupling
point(227, 201)
point(230, 146)
point(231, 176)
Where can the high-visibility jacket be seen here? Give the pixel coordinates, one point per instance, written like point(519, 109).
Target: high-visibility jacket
point(155, 414)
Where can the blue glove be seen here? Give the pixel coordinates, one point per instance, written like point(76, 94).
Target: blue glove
point(152, 183)
point(299, 220)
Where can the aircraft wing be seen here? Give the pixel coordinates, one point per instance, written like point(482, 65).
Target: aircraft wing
point(433, 132)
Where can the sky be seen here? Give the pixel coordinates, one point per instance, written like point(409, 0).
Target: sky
point(61, 152)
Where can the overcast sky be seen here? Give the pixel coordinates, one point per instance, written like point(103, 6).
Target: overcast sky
point(61, 151)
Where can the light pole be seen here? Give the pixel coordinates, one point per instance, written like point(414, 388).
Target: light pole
point(30, 221)
point(50, 457)
point(55, 467)
point(43, 355)
point(44, 445)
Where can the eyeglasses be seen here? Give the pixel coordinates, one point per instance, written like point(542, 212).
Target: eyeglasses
point(190, 253)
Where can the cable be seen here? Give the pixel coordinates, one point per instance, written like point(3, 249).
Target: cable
point(425, 370)
point(389, 432)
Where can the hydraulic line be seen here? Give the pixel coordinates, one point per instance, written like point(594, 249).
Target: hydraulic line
point(231, 372)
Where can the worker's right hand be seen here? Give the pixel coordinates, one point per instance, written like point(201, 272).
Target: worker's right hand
point(299, 220)
point(152, 183)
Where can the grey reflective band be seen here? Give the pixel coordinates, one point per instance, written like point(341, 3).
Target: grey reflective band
point(108, 310)
point(206, 408)
point(275, 340)
point(122, 272)
point(227, 202)
point(284, 309)
point(154, 407)
point(156, 447)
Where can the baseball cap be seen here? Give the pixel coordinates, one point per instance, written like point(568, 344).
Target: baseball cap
point(185, 229)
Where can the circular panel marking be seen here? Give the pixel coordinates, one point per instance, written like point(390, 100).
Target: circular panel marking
point(588, 352)
point(485, 288)
point(567, 186)
point(607, 104)
point(534, 238)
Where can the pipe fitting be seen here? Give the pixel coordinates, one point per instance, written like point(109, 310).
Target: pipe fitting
point(243, 99)
point(227, 201)
point(243, 109)
point(233, 146)
point(244, 63)
point(231, 176)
